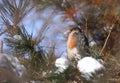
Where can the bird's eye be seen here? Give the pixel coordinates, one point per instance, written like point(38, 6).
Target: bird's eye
point(76, 33)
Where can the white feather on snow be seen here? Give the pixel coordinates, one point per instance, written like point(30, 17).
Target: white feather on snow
point(87, 66)
point(62, 64)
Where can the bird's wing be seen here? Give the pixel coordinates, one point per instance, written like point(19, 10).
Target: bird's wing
point(83, 44)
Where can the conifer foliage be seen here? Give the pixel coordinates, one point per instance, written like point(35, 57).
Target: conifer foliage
point(98, 19)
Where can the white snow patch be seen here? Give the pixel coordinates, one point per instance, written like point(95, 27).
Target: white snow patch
point(88, 66)
point(92, 43)
point(62, 64)
point(17, 37)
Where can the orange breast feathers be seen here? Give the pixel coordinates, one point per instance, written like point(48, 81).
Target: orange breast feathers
point(72, 43)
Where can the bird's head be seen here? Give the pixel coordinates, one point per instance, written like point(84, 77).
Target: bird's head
point(73, 30)
point(77, 29)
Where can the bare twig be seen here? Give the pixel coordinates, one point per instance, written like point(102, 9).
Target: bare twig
point(106, 39)
point(1, 46)
point(86, 27)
